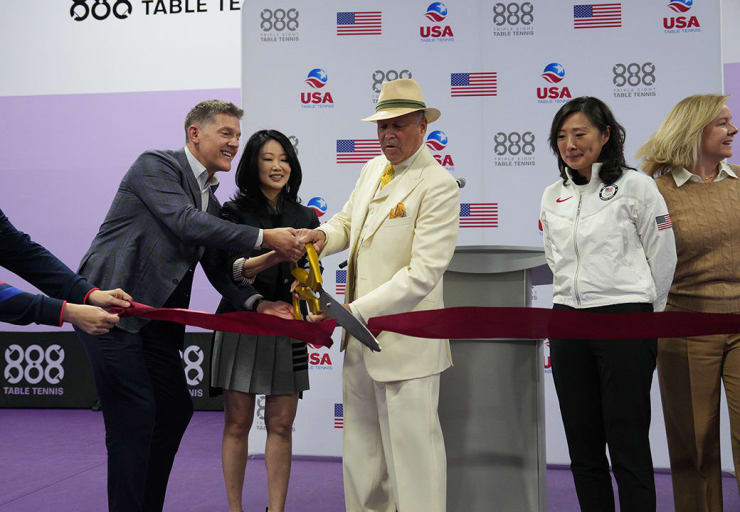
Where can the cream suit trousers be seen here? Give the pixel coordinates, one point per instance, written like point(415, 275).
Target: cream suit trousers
point(393, 450)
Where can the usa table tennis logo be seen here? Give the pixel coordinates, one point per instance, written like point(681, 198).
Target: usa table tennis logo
point(357, 151)
point(317, 204)
point(680, 6)
point(319, 358)
point(317, 78)
point(676, 24)
point(316, 97)
point(436, 13)
point(554, 73)
point(478, 215)
point(341, 280)
point(338, 415)
point(436, 142)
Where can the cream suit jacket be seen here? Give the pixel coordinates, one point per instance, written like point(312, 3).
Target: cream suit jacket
point(396, 264)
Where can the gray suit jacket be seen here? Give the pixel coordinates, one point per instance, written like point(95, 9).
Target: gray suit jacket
point(155, 231)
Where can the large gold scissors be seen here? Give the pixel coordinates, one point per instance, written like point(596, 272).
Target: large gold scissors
point(310, 289)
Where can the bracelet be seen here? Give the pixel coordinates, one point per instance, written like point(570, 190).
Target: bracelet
point(238, 276)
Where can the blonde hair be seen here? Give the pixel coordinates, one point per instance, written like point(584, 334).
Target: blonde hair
point(676, 143)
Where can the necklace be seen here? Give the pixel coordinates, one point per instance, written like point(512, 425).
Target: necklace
point(709, 179)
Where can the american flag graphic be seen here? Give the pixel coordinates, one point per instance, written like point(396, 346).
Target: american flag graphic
point(478, 215)
point(357, 151)
point(361, 23)
point(664, 221)
point(473, 84)
point(597, 15)
point(338, 415)
point(341, 282)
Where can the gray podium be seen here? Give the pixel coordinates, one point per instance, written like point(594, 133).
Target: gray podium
point(491, 402)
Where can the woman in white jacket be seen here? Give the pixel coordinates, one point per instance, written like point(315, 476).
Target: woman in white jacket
point(610, 246)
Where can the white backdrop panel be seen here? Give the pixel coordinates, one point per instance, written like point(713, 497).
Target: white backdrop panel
point(154, 48)
point(498, 143)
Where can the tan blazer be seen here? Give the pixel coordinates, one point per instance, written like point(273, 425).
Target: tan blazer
point(400, 243)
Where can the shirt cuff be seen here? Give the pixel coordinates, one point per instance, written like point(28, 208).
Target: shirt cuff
point(237, 276)
point(260, 236)
point(251, 300)
point(61, 313)
point(84, 301)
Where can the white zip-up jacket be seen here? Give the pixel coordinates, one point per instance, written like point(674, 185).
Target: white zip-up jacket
point(608, 244)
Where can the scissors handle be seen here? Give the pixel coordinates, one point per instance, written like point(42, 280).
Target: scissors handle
point(297, 308)
point(309, 283)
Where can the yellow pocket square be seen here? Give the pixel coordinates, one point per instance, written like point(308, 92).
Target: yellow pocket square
point(398, 211)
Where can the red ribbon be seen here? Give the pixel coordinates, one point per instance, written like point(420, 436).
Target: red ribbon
point(539, 323)
point(244, 322)
point(464, 323)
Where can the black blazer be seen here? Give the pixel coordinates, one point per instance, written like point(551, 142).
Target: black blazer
point(272, 283)
point(155, 232)
point(31, 261)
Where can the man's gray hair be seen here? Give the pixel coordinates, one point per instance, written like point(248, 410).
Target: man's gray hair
point(205, 111)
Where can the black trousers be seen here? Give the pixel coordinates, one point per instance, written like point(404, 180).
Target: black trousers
point(146, 408)
point(603, 387)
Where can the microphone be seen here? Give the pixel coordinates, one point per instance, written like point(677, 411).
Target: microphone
point(343, 264)
point(460, 182)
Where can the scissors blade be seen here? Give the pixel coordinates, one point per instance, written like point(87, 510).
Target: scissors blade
point(347, 320)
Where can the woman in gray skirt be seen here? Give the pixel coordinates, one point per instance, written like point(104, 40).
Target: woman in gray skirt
point(243, 365)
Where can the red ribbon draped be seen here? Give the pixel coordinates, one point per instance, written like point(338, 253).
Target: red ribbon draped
point(244, 322)
point(464, 323)
point(539, 323)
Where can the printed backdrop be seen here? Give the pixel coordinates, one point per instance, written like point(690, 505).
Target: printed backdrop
point(89, 84)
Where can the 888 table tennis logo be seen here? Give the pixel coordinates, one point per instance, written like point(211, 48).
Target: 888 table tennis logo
point(34, 366)
point(513, 19)
point(634, 79)
point(193, 358)
point(317, 96)
point(100, 9)
point(279, 25)
point(514, 148)
point(379, 76)
point(439, 31)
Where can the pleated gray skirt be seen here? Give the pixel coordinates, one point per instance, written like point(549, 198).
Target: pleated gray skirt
point(264, 365)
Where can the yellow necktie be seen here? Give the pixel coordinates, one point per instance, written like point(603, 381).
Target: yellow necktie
point(387, 176)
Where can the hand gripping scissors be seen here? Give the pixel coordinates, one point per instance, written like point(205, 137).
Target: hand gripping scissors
point(309, 288)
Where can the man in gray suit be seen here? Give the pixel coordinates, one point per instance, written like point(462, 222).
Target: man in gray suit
point(162, 217)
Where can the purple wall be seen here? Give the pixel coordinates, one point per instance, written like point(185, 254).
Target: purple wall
point(62, 158)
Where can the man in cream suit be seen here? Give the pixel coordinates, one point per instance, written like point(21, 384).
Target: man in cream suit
point(400, 225)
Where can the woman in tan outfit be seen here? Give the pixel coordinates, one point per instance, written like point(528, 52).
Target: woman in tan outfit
point(687, 156)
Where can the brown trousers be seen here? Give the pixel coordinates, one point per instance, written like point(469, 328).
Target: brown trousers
point(690, 373)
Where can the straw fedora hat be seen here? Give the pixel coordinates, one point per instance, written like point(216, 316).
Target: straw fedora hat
point(400, 97)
